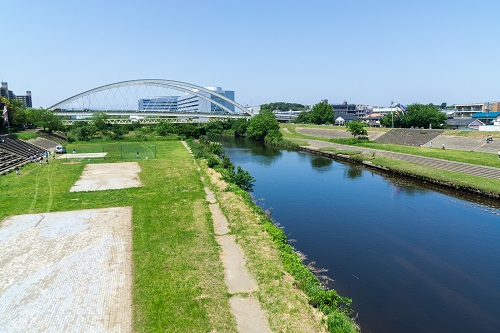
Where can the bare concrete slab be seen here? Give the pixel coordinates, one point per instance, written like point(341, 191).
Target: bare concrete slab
point(66, 271)
point(108, 176)
point(249, 316)
point(221, 226)
point(84, 155)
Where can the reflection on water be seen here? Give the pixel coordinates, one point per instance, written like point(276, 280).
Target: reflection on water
point(321, 164)
point(258, 151)
point(353, 171)
point(413, 257)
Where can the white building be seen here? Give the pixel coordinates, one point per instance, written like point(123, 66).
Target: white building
point(164, 103)
point(189, 103)
point(193, 103)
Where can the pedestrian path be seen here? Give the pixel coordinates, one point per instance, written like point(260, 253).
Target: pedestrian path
point(240, 284)
point(466, 168)
point(245, 307)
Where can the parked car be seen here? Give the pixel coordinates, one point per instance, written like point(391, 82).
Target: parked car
point(60, 149)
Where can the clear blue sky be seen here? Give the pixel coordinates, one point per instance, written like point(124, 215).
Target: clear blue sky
point(364, 51)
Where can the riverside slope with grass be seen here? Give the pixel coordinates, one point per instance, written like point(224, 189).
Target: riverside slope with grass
point(178, 279)
point(335, 141)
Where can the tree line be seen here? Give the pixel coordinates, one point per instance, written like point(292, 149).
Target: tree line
point(19, 116)
point(416, 115)
point(283, 106)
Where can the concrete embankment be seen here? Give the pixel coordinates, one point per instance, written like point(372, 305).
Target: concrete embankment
point(475, 170)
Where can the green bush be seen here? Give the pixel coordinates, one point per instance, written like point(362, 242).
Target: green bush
point(243, 179)
point(213, 162)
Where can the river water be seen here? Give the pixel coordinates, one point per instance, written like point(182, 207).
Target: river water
point(412, 258)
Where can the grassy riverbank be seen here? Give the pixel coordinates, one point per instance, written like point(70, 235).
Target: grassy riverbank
point(469, 181)
point(178, 282)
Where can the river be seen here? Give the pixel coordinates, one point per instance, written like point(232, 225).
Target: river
point(413, 258)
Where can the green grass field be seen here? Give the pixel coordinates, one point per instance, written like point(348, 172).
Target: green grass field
point(116, 151)
point(178, 279)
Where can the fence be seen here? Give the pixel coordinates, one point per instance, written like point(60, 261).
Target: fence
point(110, 152)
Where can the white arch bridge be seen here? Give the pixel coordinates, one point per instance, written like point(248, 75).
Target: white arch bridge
point(150, 101)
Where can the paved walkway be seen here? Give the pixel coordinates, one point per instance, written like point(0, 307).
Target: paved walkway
point(245, 307)
point(240, 284)
point(67, 271)
point(471, 169)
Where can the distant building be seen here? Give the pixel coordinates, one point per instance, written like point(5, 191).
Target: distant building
point(463, 124)
point(351, 111)
point(487, 118)
point(9, 94)
point(373, 119)
point(468, 110)
point(5, 92)
point(254, 109)
point(189, 103)
point(165, 103)
point(193, 103)
point(26, 99)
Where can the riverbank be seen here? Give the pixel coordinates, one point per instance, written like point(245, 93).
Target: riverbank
point(178, 279)
point(467, 177)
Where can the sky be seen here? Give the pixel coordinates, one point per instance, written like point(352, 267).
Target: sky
point(360, 51)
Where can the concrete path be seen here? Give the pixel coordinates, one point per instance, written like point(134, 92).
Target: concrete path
point(245, 307)
point(471, 169)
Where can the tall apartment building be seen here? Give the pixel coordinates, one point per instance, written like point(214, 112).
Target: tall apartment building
point(9, 94)
point(26, 99)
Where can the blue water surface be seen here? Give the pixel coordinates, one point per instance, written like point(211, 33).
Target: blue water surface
point(412, 258)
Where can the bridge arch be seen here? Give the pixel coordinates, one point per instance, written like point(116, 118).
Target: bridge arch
point(175, 85)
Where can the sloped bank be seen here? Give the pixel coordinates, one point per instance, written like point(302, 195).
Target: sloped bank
point(293, 297)
point(385, 169)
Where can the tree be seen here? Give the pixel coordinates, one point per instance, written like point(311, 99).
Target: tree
point(262, 124)
point(45, 119)
point(243, 179)
point(15, 111)
point(240, 127)
point(164, 128)
point(303, 118)
point(356, 128)
point(214, 128)
point(322, 113)
point(425, 116)
point(100, 121)
point(416, 115)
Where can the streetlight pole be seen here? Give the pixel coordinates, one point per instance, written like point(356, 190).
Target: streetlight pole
point(392, 115)
point(487, 109)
